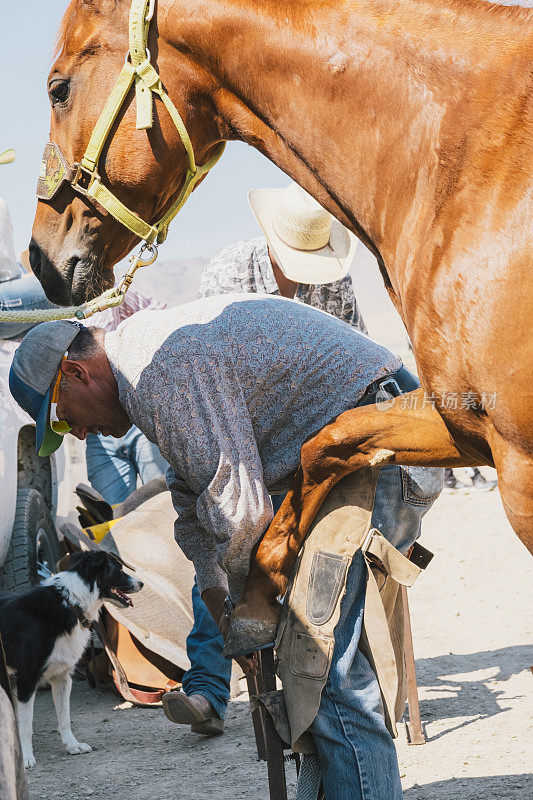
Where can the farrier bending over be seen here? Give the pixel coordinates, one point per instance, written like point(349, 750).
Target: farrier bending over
point(229, 388)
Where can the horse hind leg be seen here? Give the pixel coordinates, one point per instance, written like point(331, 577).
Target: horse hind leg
point(399, 433)
point(515, 482)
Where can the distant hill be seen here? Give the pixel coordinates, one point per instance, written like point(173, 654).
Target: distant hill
point(171, 281)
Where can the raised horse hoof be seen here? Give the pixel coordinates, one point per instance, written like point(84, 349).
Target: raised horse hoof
point(248, 635)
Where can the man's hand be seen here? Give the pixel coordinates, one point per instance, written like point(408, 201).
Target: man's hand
point(214, 600)
point(248, 665)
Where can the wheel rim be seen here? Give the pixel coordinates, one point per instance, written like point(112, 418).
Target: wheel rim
point(44, 555)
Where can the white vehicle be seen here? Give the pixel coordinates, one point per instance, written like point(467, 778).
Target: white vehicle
point(36, 494)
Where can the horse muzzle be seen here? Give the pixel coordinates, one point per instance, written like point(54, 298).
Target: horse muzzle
point(72, 280)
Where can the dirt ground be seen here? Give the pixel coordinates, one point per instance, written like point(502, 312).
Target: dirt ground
point(470, 621)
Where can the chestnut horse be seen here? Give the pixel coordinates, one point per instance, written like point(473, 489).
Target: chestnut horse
point(410, 120)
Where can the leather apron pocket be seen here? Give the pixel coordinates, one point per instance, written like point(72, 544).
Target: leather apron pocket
point(326, 581)
point(310, 654)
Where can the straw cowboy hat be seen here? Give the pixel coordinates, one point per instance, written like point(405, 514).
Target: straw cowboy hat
point(309, 245)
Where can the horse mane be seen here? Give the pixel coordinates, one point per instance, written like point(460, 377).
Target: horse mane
point(63, 27)
point(509, 9)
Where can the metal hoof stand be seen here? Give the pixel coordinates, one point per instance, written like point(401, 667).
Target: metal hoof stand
point(270, 746)
point(414, 728)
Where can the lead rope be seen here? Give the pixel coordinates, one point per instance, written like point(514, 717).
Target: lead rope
point(109, 299)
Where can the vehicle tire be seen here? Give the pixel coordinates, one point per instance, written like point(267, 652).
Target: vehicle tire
point(34, 546)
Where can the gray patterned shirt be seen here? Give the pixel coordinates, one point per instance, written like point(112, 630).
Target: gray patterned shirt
point(246, 267)
point(229, 388)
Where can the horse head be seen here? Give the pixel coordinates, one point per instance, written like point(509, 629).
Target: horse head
point(75, 242)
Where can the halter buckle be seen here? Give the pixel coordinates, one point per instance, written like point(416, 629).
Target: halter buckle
point(83, 179)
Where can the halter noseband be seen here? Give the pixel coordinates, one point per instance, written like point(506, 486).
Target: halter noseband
point(84, 177)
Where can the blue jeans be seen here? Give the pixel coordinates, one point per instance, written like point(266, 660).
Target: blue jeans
point(113, 464)
point(209, 673)
point(356, 752)
point(21, 294)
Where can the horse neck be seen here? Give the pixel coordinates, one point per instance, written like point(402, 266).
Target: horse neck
point(351, 99)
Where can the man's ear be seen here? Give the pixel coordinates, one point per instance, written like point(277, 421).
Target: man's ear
point(75, 370)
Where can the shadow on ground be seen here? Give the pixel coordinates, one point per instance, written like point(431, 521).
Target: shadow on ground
point(492, 787)
point(469, 681)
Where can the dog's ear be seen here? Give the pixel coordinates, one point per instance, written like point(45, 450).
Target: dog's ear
point(75, 559)
point(107, 565)
point(64, 562)
point(94, 566)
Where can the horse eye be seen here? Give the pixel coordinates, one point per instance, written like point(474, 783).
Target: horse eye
point(58, 91)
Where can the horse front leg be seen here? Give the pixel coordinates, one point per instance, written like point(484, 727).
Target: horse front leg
point(369, 436)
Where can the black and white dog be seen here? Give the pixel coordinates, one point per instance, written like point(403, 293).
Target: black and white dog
point(46, 630)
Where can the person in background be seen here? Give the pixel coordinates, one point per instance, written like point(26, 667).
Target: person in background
point(317, 277)
point(479, 482)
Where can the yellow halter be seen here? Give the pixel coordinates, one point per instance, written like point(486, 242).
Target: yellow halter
point(84, 177)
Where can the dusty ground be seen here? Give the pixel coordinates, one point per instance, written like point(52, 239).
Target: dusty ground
point(470, 616)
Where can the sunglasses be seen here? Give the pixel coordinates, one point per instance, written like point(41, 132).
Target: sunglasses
point(58, 425)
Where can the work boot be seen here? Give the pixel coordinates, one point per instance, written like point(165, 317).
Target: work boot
point(451, 483)
point(481, 484)
point(194, 710)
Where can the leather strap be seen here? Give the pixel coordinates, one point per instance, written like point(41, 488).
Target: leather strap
point(392, 385)
point(139, 697)
point(379, 551)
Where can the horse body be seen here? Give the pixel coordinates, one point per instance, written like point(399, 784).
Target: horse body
point(411, 122)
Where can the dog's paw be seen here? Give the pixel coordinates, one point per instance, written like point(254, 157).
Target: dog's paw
point(78, 748)
point(29, 761)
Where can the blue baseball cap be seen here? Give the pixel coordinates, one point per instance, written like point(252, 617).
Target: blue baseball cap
point(33, 372)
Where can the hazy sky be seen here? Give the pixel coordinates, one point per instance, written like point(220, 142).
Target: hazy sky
point(216, 214)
